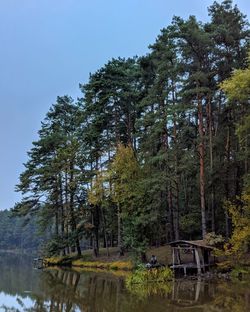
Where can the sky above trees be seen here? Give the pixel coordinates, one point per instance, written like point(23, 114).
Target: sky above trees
point(49, 47)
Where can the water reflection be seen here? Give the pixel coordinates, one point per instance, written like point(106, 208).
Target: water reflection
point(25, 289)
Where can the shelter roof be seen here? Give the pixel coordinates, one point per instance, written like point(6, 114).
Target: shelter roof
point(198, 243)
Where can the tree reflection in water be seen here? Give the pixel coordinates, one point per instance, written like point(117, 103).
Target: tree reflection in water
point(57, 290)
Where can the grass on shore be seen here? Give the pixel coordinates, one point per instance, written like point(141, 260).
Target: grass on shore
point(88, 260)
point(111, 262)
point(115, 265)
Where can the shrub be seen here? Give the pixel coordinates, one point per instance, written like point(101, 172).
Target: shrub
point(142, 276)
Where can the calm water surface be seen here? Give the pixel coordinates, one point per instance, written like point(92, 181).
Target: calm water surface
point(23, 288)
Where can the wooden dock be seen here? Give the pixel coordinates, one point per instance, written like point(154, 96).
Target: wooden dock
point(197, 256)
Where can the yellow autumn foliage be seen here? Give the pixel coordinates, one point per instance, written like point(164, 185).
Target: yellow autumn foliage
point(97, 192)
point(124, 171)
point(240, 214)
point(237, 87)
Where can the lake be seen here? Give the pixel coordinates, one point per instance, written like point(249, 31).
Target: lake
point(23, 288)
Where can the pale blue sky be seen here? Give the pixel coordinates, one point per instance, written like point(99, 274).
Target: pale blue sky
point(48, 47)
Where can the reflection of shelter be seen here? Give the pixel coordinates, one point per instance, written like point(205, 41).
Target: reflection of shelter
point(192, 295)
point(188, 255)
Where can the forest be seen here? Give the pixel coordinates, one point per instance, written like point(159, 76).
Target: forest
point(17, 234)
point(156, 149)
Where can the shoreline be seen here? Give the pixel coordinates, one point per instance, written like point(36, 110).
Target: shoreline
point(240, 273)
point(74, 262)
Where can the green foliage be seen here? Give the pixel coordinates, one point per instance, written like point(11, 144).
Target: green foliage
point(153, 149)
point(190, 224)
point(53, 246)
point(17, 234)
point(240, 272)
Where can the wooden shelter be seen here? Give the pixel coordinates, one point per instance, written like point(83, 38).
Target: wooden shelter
point(188, 255)
point(38, 263)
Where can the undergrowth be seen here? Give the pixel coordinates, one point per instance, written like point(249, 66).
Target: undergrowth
point(144, 276)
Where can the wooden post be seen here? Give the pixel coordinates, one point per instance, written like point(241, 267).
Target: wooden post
point(185, 270)
point(197, 258)
point(193, 252)
point(198, 289)
point(173, 289)
point(178, 255)
point(173, 250)
point(203, 259)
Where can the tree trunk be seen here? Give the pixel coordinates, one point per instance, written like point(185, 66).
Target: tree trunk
point(57, 217)
point(170, 213)
point(177, 208)
point(227, 150)
point(62, 212)
point(93, 241)
point(210, 130)
point(67, 211)
point(71, 210)
point(170, 219)
point(202, 175)
point(119, 225)
point(104, 231)
point(96, 229)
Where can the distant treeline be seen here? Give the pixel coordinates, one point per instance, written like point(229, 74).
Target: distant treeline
point(15, 235)
point(155, 149)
